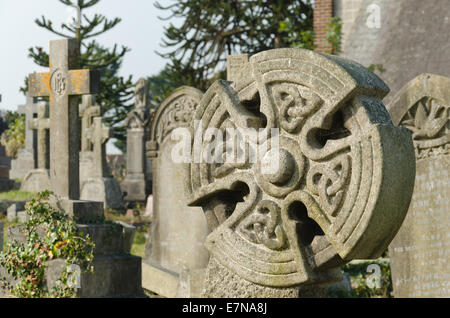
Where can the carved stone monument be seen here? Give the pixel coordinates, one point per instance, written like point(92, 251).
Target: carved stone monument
point(175, 248)
point(327, 179)
point(64, 84)
point(100, 185)
point(420, 252)
point(27, 157)
point(88, 110)
point(137, 182)
point(6, 183)
point(38, 179)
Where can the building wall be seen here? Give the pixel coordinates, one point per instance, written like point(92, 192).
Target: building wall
point(413, 37)
point(348, 11)
point(323, 12)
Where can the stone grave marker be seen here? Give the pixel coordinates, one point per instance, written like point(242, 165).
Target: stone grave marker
point(88, 110)
point(6, 183)
point(177, 231)
point(100, 185)
point(38, 179)
point(137, 182)
point(116, 273)
point(322, 176)
point(27, 157)
point(420, 252)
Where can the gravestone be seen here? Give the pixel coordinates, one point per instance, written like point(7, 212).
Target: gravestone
point(420, 252)
point(177, 231)
point(13, 211)
point(314, 176)
point(6, 183)
point(88, 110)
point(38, 179)
point(137, 182)
point(27, 157)
point(116, 273)
point(100, 185)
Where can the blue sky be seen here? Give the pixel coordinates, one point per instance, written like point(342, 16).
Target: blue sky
point(140, 30)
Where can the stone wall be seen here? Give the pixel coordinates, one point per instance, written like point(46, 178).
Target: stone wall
point(412, 37)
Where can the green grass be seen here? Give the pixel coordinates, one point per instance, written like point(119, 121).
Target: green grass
point(138, 247)
point(16, 195)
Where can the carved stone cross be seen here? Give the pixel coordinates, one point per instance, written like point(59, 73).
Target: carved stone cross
point(63, 84)
point(331, 181)
point(42, 125)
point(88, 110)
point(98, 134)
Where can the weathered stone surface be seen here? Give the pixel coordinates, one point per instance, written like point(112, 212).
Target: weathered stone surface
point(13, 210)
point(137, 183)
point(27, 157)
point(4, 172)
point(100, 185)
point(86, 166)
point(114, 276)
point(177, 231)
point(129, 231)
point(37, 180)
point(82, 211)
point(331, 179)
point(4, 160)
point(88, 111)
point(5, 183)
point(166, 283)
point(106, 190)
point(420, 252)
point(159, 280)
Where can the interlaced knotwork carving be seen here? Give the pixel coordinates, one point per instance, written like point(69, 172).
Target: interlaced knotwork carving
point(323, 142)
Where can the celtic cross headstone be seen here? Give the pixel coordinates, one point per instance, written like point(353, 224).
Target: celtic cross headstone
point(320, 175)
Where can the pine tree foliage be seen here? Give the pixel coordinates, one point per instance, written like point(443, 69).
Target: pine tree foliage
point(211, 30)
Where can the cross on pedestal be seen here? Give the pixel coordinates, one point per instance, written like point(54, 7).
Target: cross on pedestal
point(42, 125)
point(87, 112)
point(98, 134)
point(63, 84)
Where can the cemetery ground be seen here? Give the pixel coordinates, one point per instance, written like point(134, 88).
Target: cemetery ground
point(355, 273)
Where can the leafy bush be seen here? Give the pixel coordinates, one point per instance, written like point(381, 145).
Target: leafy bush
point(13, 138)
point(49, 234)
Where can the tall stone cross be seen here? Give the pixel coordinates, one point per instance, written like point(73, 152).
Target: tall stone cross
point(88, 110)
point(63, 84)
point(98, 134)
point(42, 125)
